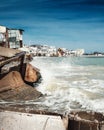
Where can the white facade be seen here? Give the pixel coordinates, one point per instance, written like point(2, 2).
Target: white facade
point(79, 52)
point(2, 33)
point(43, 50)
point(2, 29)
point(14, 38)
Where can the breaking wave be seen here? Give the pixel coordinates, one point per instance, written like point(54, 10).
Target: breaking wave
point(72, 83)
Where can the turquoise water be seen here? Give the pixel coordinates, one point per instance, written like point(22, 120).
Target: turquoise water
point(99, 61)
point(72, 83)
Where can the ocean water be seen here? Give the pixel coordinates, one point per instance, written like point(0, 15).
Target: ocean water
point(71, 83)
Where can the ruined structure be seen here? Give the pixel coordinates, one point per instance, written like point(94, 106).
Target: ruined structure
point(10, 37)
point(16, 75)
point(71, 121)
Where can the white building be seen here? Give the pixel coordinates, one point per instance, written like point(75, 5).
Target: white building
point(79, 52)
point(11, 38)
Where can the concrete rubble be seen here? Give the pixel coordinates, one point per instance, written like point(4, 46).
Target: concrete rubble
point(5, 52)
point(24, 121)
point(79, 120)
point(12, 87)
point(17, 76)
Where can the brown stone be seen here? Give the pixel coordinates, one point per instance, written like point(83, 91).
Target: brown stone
point(12, 87)
point(12, 80)
point(31, 74)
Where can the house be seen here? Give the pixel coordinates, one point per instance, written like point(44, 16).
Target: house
point(11, 38)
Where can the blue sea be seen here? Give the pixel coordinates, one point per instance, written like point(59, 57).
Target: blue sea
point(71, 83)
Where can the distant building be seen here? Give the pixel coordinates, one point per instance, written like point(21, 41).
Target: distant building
point(11, 38)
point(43, 50)
point(79, 52)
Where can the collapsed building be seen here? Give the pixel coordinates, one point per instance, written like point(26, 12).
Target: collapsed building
point(10, 37)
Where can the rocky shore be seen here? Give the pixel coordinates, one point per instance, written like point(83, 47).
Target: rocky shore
point(16, 93)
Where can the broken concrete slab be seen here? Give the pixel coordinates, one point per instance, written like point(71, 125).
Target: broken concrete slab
point(12, 87)
point(23, 121)
point(84, 120)
point(8, 52)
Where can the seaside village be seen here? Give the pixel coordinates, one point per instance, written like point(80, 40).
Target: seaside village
point(18, 81)
point(12, 38)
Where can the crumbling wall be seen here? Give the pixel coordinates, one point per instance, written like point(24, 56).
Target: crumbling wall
point(86, 121)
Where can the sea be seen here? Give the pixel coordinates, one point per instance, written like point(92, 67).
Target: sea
point(71, 83)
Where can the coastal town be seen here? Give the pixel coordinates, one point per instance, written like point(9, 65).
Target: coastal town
point(13, 38)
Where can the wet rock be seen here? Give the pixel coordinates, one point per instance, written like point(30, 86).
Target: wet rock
point(32, 74)
point(12, 87)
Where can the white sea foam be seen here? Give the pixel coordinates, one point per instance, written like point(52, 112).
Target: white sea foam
point(71, 84)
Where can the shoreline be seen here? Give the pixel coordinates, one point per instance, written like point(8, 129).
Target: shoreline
point(14, 88)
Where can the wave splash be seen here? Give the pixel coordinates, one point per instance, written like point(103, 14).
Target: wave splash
point(70, 85)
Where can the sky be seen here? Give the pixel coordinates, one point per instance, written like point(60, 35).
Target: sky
point(72, 24)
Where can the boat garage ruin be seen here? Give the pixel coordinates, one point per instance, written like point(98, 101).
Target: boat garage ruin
point(10, 37)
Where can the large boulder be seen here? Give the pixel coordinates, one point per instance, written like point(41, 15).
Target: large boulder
point(13, 80)
point(32, 75)
point(12, 87)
